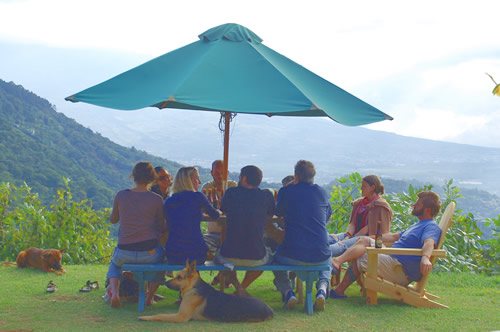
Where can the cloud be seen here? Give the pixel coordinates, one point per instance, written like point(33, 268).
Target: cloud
point(445, 99)
point(440, 124)
point(411, 60)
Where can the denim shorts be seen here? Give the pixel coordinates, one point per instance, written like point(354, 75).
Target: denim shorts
point(121, 257)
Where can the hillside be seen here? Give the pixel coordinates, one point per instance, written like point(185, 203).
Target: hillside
point(39, 146)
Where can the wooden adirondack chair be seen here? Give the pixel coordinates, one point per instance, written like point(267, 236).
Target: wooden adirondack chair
point(415, 295)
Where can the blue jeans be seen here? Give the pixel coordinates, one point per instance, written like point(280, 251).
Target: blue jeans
point(332, 239)
point(121, 257)
point(339, 247)
point(282, 282)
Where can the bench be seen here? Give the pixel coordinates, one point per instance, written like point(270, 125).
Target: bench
point(306, 273)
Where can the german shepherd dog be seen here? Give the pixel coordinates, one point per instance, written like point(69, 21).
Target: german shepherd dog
point(200, 301)
point(47, 260)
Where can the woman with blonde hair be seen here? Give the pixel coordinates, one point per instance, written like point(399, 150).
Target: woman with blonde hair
point(184, 213)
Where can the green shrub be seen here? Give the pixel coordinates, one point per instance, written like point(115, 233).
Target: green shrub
point(491, 247)
point(73, 226)
point(345, 190)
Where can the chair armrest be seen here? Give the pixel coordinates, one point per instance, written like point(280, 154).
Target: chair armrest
point(404, 251)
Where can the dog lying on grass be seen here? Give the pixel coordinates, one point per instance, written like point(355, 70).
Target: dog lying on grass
point(47, 260)
point(200, 301)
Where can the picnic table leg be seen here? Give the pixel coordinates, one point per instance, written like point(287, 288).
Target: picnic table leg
point(139, 277)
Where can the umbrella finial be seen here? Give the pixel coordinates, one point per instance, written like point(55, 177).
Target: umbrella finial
point(232, 32)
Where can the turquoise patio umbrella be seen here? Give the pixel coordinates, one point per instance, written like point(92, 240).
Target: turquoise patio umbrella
point(229, 70)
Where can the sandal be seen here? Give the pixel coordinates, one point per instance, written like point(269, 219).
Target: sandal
point(89, 286)
point(85, 289)
point(51, 287)
point(93, 284)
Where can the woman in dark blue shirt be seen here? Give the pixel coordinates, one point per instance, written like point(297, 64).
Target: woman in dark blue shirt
point(184, 213)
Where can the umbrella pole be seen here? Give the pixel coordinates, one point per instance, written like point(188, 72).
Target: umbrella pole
point(227, 121)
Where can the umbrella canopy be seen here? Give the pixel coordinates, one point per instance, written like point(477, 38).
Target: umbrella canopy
point(229, 70)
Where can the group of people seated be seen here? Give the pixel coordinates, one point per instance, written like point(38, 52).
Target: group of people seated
point(289, 228)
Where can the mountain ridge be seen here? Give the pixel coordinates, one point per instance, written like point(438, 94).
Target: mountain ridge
point(39, 146)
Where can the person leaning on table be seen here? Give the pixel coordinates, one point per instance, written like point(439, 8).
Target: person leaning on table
point(248, 209)
point(140, 215)
point(214, 190)
point(184, 213)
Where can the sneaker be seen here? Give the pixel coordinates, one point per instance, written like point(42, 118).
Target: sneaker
point(51, 287)
point(290, 300)
point(319, 304)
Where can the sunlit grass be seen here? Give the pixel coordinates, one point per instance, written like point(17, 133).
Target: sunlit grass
point(24, 305)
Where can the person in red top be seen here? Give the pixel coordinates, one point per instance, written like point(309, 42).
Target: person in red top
point(371, 215)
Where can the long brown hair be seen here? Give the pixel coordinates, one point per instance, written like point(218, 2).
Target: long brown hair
point(374, 180)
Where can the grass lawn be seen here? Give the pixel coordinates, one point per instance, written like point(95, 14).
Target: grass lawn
point(24, 305)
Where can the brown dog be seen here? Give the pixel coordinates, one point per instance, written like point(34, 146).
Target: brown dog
point(48, 260)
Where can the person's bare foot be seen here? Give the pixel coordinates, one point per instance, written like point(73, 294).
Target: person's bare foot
point(336, 265)
point(115, 302)
point(150, 303)
point(240, 291)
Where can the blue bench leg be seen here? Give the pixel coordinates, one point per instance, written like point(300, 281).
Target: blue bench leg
point(139, 277)
point(308, 305)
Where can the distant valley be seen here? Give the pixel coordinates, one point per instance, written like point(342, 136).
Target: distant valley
point(275, 144)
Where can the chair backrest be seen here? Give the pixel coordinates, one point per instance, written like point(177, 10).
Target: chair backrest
point(444, 224)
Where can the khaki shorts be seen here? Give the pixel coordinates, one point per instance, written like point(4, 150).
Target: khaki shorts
point(245, 262)
point(389, 269)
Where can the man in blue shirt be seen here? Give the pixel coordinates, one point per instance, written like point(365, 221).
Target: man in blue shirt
point(306, 210)
point(399, 269)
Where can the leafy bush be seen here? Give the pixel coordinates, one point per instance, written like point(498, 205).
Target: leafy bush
point(465, 249)
point(491, 247)
point(343, 192)
point(73, 226)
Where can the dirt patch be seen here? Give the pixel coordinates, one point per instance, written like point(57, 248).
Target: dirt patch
point(95, 319)
point(66, 298)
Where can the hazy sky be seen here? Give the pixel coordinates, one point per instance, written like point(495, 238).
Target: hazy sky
point(423, 62)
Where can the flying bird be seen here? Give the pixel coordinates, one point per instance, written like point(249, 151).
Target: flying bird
point(496, 89)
